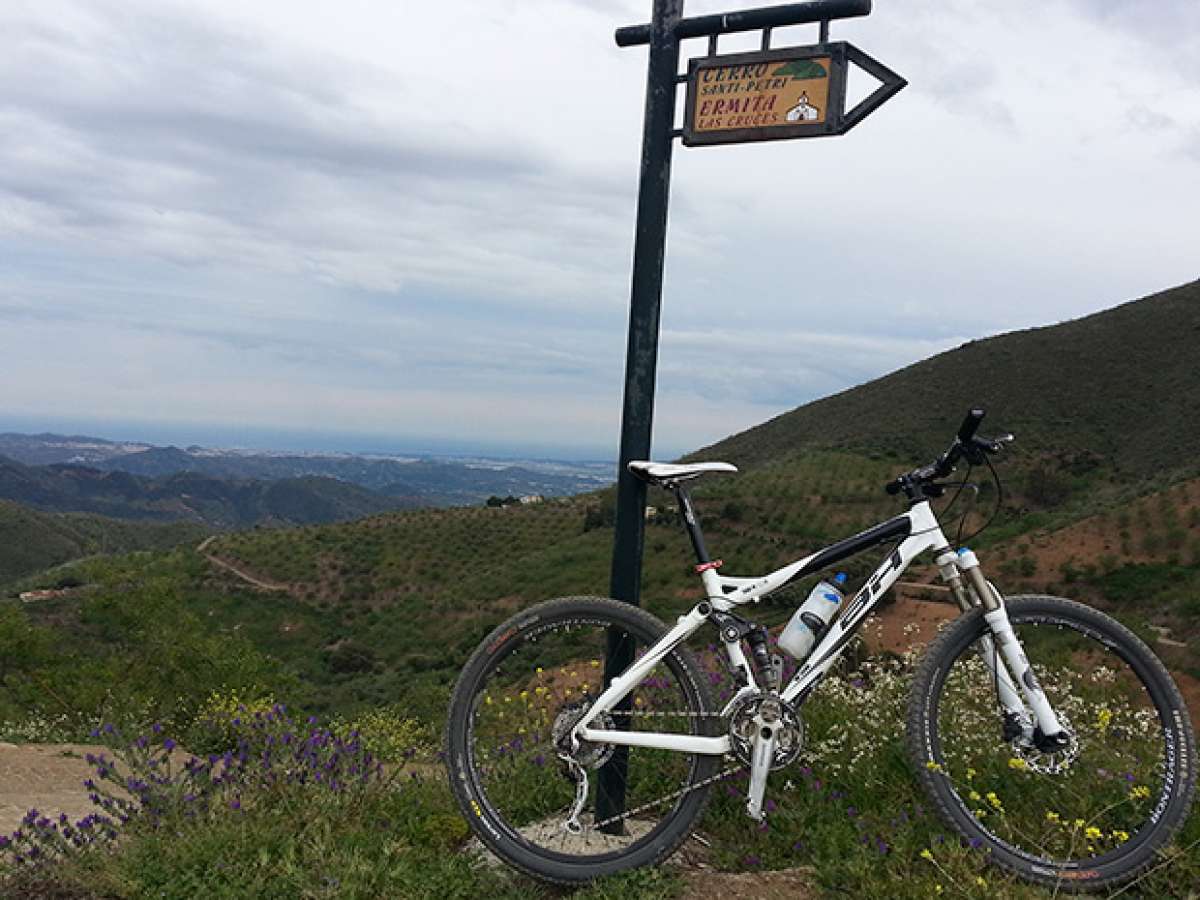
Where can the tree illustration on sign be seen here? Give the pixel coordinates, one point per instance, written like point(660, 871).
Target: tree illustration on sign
point(802, 68)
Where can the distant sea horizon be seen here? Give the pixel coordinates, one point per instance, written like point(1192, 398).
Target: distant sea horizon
point(275, 440)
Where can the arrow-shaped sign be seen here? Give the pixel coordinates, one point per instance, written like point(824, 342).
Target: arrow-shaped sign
point(779, 94)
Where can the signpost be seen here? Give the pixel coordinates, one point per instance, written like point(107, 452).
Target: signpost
point(773, 94)
point(778, 94)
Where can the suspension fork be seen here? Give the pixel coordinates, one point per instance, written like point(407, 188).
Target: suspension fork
point(951, 568)
point(1011, 657)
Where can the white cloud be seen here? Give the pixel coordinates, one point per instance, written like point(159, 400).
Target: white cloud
point(315, 216)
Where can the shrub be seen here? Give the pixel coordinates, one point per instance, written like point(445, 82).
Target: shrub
point(387, 732)
point(218, 722)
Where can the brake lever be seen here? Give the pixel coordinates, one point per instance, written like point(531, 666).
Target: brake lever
point(996, 444)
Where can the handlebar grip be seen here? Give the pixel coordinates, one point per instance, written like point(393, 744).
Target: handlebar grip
point(892, 487)
point(970, 425)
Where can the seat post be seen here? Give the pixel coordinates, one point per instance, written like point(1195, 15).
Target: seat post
point(691, 522)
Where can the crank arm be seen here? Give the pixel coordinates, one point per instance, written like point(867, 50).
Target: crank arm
point(760, 766)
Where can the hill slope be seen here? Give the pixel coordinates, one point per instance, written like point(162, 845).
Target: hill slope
point(31, 541)
point(1120, 384)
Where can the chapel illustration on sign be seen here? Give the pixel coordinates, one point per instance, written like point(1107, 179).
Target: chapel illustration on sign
point(803, 111)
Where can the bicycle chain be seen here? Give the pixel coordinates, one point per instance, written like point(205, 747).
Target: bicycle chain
point(681, 714)
point(681, 792)
point(685, 714)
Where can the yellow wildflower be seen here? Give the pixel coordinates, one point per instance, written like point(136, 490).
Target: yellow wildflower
point(933, 766)
point(927, 854)
point(1019, 764)
point(1092, 832)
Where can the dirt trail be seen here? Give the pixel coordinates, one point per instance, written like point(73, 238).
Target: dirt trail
point(43, 777)
point(782, 884)
point(202, 549)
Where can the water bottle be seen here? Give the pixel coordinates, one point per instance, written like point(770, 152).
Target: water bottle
point(808, 622)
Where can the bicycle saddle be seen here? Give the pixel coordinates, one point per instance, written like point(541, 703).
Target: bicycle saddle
point(669, 473)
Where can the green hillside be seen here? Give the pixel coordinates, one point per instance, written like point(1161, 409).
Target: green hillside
point(31, 541)
point(390, 606)
point(1120, 385)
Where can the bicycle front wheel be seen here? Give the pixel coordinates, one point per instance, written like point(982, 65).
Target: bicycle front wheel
point(1084, 814)
point(507, 743)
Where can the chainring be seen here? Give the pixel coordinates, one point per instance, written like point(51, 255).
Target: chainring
point(743, 725)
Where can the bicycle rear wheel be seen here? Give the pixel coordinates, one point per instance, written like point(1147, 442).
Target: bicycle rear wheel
point(518, 697)
point(1084, 816)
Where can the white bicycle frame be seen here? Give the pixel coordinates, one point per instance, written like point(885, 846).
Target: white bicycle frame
point(724, 594)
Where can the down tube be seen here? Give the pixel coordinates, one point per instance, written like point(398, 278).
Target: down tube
point(830, 647)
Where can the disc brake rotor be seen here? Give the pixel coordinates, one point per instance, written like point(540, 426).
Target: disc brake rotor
point(1050, 762)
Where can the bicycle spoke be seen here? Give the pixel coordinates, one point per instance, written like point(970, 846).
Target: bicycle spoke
point(523, 714)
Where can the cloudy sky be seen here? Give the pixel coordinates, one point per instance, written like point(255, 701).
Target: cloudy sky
point(410, 224)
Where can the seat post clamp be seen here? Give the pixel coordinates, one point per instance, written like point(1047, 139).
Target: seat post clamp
point(704, 567)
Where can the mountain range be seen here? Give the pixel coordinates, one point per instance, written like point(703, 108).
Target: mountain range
point(188, 496)
point(238, 488)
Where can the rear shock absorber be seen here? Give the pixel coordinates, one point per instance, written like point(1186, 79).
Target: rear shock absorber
point(768, 666)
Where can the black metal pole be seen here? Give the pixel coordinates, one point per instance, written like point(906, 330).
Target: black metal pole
point(641, 359)
point(752, 20)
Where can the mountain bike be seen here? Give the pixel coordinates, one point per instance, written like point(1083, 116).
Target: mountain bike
point(583, 739)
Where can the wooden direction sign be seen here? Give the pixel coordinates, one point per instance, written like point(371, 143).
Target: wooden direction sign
point(776, 94)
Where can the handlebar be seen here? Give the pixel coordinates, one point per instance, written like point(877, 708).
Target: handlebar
point(966, 444)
